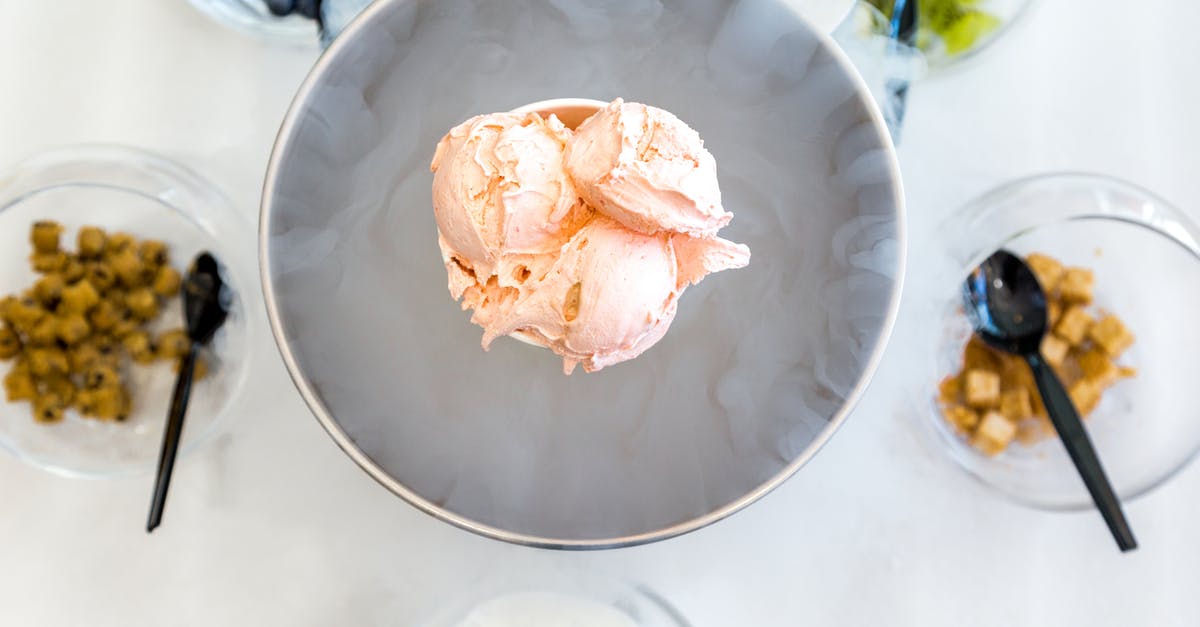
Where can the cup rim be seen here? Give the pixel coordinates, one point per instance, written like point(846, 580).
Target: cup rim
point(553, 105)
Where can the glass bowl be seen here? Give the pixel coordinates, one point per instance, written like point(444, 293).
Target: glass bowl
point(1006, 12)
point(868, 23)
point(560, 596)
point(122, 189)
point(1146, 258)
point(253, 18)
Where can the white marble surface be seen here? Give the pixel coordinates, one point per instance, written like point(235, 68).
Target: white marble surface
point(272, 525)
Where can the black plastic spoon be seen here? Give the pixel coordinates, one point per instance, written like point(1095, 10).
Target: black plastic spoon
point(203, 313)
point(902, 27)
point(1007, 306)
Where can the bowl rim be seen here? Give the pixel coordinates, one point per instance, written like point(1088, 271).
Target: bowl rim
point(292, 30)
point(985, 203)
point(324, 416)
point(632, 596)
point(122, 158)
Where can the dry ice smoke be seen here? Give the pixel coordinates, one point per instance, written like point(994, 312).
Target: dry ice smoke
point(753, 369)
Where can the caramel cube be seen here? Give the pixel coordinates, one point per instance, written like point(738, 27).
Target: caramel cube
point(1054, 311)
point(1085, 395)
point(1111, 335)
point(1097, 367)
point(1076, 285)
point(950, 390)
point(1054, 350)
point(1015, 404)
point(962, 417)
point(982, 389)
point(1047, 270)
point(1074, 325)
point(994, 433)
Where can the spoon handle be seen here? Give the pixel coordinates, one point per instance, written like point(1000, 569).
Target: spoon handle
point(1075, 438)
point(171, 436)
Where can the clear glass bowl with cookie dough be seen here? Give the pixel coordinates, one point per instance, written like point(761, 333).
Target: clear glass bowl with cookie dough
point(1119, 265)
point(97, 239)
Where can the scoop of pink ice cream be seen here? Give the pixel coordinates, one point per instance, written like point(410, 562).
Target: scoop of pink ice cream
point(648, 170)
point(609, 296)
point(500, 189)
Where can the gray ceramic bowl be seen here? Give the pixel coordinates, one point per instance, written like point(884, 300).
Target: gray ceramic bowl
point(760, 367)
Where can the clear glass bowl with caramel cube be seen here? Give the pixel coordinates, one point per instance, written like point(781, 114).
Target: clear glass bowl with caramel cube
point(87, 235)
point(1120, 267)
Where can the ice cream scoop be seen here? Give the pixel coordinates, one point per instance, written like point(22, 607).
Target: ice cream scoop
point(610, 295)
point(648, 170)
point(500, 188)
point(527, 252)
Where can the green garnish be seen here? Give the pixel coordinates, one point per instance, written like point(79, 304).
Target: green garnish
point(958, 24)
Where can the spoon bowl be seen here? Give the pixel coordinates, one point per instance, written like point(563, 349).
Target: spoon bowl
point(204, 310)
point(1006, 304)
